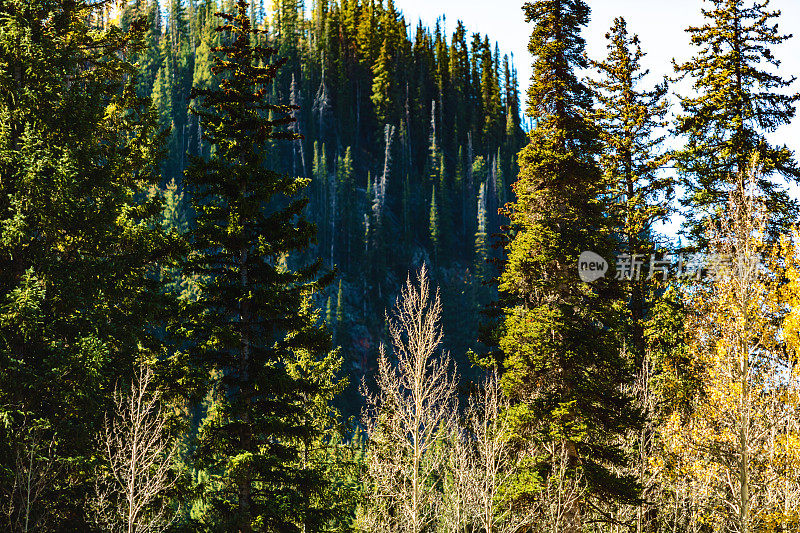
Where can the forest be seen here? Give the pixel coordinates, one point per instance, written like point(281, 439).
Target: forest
point(269, 266)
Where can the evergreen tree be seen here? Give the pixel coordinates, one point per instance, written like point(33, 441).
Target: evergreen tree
point(347, 234)
point(208, 39)
point(490, 96)
point(80, 238)
point(253, 324)
point(382, 85)
point(148, 59)
point(627, 117)
point(434, 154)
point(460, 79)
point(564, 373)
point(738, 101)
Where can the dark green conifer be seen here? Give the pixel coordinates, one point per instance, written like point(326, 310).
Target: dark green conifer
point(563, 369)
point(252, 322)
point(740, 98)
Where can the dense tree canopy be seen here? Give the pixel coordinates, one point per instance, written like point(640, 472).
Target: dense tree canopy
point(208, 206)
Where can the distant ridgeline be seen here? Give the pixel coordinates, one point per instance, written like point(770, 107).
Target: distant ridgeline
point(410, 144)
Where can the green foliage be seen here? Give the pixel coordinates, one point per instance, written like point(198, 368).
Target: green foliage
point(628, 117)
point(563, 369)
point(252, 323)
point(80, 242)
point(739, 99)
point(354, 72)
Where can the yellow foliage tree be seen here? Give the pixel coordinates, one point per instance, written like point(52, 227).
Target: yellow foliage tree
point(736, 452)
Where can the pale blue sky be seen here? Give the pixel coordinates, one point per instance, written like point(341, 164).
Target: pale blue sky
point(660, 25)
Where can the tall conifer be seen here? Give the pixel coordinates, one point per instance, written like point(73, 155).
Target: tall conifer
point(740, 98)
point(564, 373)
point(628, 116)
point(253, 325)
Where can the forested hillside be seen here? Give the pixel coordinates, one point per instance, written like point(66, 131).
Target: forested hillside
point(285, 268)
point(409, 137)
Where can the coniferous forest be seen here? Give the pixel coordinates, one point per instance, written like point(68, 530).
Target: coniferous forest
point(268, 266)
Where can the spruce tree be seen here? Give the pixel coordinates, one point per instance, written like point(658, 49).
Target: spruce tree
point(490, 96)
point(148, 58)
point(80, 247)
point(628, 116)
point(382, 85)
point(460, 80)
point(252, 322)
point(563, 369)
point(740, 98)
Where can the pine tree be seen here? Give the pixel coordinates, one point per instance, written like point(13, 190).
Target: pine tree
point(368, 38)
point(627, 117)
point(490, 96)
point(148, 58)
point(287, 21)
point(460, 79)
point(382, 85)
point(163, 86)
point(329, 317)
point(739, 100)
point(208, 39)
point(252, 322)
point(564, 373)
point(444, 88)
point(80, 246)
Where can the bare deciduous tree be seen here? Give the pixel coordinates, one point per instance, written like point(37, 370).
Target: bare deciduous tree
point(138, 452)
point(488, 423)
point(459, 482)
point(408, 417)
point(34, 468)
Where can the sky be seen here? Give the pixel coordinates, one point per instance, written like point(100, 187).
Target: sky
point(660, 25)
